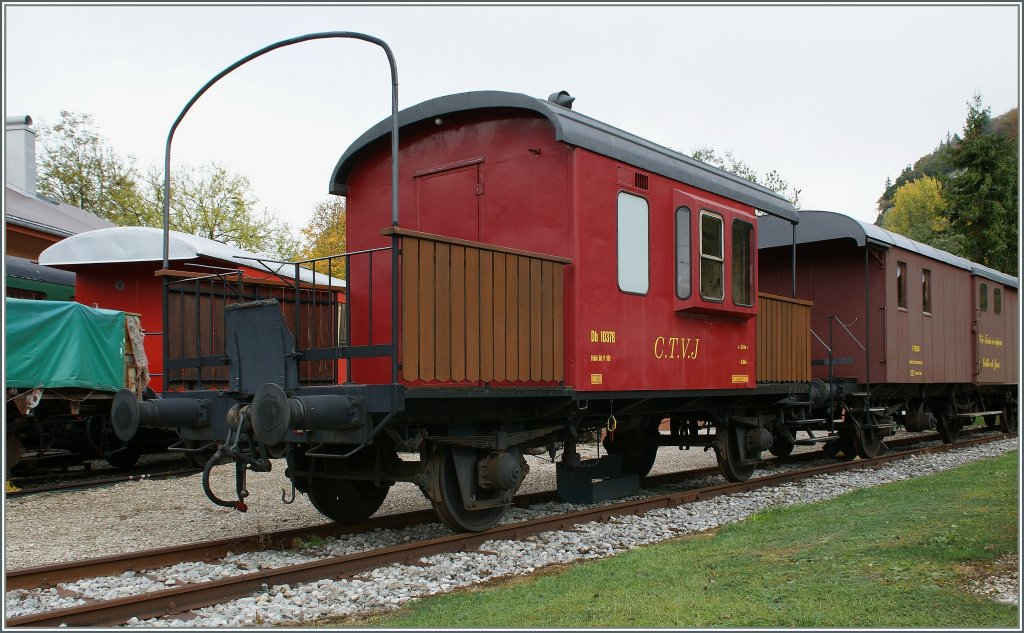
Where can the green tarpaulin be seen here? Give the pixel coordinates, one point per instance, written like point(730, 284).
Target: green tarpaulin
point(53, 344)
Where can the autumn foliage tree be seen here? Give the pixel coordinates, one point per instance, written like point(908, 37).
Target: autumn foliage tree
point(324, 234)
point(212, 202)
point(78, 167)
point(919, 212)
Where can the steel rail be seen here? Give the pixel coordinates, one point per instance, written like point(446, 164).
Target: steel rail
point(185, 598)
point(49, 575)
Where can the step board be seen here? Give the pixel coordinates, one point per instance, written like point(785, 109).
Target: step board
point(976, 414)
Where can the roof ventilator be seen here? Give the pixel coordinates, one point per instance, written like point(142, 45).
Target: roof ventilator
point(562, 98)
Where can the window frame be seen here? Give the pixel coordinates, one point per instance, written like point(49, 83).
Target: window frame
point(749, 290)
point(688, 250)
point(901, 285)
point(997, 300)
point(720, 259)
point(983, 297)
point(646, 245)
point(926, 291)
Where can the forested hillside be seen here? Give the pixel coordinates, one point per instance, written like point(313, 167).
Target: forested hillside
point(963, 197)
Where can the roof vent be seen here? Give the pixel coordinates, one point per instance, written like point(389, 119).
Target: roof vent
point(562, 98)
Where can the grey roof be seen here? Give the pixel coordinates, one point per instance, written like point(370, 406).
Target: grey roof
point(820, 226)
point(26, 269)
point(122, 244)
point(48, 216)
point(580, 131)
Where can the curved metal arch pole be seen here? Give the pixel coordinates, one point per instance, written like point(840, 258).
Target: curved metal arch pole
point(263, 51)
point(394, 167)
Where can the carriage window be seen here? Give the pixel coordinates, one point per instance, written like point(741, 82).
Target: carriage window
point(742, 263)
point(926, 290)
point(997, 300)
point(983, 298)
point(712, 257)
point(901, 284)
point(633, 244)
point(682, 253)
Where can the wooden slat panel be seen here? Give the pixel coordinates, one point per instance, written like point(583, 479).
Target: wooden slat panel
point(458, 312)
point(547, 323)
point(783, 340)
point(426, 301)
point(499, 316)
point(512, 317)
point(486, 316)
point(524, 318)
point(559, 342)
point(472, 315)
point(442, 313)
point(410, 309)
point(535, 320)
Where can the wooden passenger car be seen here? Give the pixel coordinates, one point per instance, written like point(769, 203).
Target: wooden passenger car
point(902, 318)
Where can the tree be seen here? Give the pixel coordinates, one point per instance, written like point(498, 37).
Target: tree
point(772, 180)
point(78, 167)
point(919, 212)
point(983, 192)
point(324, 234)
point(212, 202)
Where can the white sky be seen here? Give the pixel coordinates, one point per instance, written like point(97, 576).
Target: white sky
point(836, 98)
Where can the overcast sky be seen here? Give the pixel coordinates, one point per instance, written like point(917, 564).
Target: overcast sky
point(836, 99)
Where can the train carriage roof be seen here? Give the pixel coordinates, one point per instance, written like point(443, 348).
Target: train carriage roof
point(821, 226)
point(124, 244)
point(579, 130)
point(22, 268)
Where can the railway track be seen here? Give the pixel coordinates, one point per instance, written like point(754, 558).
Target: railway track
point(184, 598)
point(97, 478)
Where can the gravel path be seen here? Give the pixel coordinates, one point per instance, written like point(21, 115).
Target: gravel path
point(158, 513)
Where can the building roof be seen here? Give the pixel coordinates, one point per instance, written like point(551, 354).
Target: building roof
point(48, 216)
point(579, 130)
point(821, 226)
point(124, 244)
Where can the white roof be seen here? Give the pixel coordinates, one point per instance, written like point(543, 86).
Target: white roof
point(123, 244)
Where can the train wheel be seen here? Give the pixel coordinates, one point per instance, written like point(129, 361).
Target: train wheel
point(867, 442)
point(446, 496)
point(1008, 420)
point(948, 428)
point(638, 449)
point(345, 500)
point(729, 455)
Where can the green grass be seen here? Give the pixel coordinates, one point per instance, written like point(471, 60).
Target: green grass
point(892, 556)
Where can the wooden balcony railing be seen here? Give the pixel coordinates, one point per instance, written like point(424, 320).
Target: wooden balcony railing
point(476, 312)
point(783, 339)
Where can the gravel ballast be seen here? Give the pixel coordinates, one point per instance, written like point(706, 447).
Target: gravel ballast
point(147, 521)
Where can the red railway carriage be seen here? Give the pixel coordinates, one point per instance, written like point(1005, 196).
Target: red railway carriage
point(541, 276)
point(120, 268)
point(651, 254)
point(918, 326)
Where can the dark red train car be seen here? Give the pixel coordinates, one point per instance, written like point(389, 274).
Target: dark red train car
point(911, 322)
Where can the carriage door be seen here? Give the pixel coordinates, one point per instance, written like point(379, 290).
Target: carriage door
point(448, 199)
point(989, 328)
